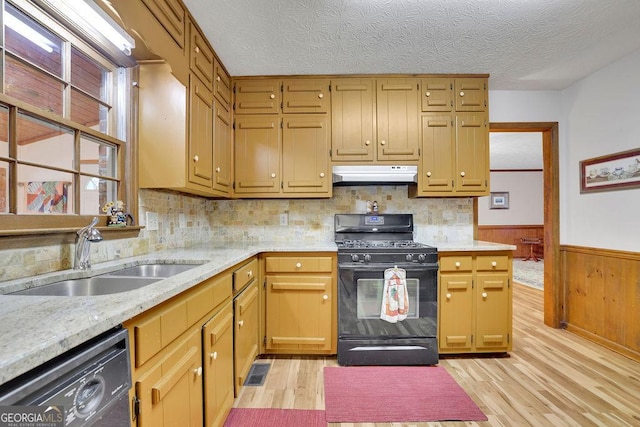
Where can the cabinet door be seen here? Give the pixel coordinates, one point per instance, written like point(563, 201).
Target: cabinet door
point(246, 328)
point(353, 130)
point(456, 313)
point(438, 151)
point(299, 313)
point(200, 133)
point(305, 96)
point(222, 150)
point(397, 112)
point(257, 97)
point(437, 94)
point(200, 56)
point(221, 84)
point(217, 353)
point(471, 94)
point(257, 154)
point(172, 15)
point(305, 154)
point(493, 311)
point(472, 153)
point(170, 393)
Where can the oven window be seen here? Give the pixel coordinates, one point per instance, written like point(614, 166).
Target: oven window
point(369, 298)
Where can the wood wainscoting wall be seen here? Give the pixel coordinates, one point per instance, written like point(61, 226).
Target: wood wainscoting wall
point(602, 296)
point(511, 235)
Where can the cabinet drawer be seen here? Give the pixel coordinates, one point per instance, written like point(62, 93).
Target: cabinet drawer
point(245, 274)
point(456, 263)
point(492, 263)
point(299, 264)
point(213, 292)
point(159, 330)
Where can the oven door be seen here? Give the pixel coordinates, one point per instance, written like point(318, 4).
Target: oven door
point(365, 337)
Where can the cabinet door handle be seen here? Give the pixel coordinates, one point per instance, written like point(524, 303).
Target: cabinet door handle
point(196, 49)
point(461, 93)
point(427, 94)
point(272, 96)
point(383, 142)
point(198, 371)
point(448, 296)
point(321, 174)
point(273, 175)
point(320, 96)
point(325, 297)
point(218, 78)
point(367, 142)
point(218, 169)
point(298, 265)
point(214, 355)
point(484, 295)
point(462, 174)
point(428, 173)
point(240, 323)
point(196, 158)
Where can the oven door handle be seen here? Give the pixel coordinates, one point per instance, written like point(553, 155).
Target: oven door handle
point(382, 267)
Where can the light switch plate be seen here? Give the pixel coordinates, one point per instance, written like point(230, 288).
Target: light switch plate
point(284, 219)
point(152, 221)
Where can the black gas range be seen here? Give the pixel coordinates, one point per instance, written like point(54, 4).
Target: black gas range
point(372, 328)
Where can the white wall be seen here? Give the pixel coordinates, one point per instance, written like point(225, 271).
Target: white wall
point(525, 199)
point(601, 115)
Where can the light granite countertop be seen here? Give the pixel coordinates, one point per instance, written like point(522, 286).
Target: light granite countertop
point(35, 329)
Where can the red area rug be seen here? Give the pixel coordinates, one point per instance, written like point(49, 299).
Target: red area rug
point(245, 417)
point(382, 394)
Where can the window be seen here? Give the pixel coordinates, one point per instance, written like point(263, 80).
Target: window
point(64, 140)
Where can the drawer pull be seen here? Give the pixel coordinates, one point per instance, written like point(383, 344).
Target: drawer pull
point(457, 263)
point(250, 273)
point(493, 263)
point(298, 265)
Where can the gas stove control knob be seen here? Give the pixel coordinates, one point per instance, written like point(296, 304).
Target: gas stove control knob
point(367, 258)
point(422, 257)
point(355, 258)
point(409, 257)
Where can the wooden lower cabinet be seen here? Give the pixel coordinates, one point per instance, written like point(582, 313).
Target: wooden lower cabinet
point(475, 306)
point(170, 392)
point(300, 304)
point(217, 350)
point(246, 325)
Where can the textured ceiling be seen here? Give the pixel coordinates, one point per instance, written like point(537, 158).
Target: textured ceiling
point(522, 44)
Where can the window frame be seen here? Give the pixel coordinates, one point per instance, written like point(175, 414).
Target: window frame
point(16, 229)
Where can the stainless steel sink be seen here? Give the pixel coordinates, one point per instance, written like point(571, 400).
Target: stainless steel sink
point(153, 270)
point(91, 286)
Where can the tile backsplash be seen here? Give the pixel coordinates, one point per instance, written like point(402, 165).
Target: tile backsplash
point(187, 220)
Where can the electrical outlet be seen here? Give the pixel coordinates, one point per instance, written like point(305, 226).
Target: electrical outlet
point(284, 219)
point(152, 221)
point(182, 221)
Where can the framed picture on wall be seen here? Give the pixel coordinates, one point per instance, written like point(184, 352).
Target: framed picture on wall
point(612, 172)
point(499, 200)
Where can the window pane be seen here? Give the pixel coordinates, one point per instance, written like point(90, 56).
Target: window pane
point(88, 76)
point(33, 86)
point(4, 187)
point(4, 131)
point(95, 194)
point(29, 40)
point(44, 143)
point(44, 191)
point(97, 157)
point(89, 112)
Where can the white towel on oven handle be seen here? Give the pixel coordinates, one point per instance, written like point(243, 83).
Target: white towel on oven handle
point(395, 298)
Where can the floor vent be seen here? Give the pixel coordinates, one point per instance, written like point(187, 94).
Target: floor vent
point(257, 374)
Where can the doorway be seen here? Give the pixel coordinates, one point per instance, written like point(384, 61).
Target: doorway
point(551, 214)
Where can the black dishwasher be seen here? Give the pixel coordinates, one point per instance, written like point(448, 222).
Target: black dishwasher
point(89, 385)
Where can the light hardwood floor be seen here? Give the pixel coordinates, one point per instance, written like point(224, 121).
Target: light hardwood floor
point(552, 378)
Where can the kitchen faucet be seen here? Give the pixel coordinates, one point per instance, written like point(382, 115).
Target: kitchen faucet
point(84, 237)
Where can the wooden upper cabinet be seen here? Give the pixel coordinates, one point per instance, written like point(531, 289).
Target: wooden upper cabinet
point(352, 119)
point(472, 160)
point(222, 179)
point(172, 15)
point(397, 114)
point(200, 133)
point(200, 56)
point(257, 154)
point(305, 96)
point(257, 97)
point(438, 153)
point(305, 154)
point(471, 94)
point(221, 84)
point(436, 94)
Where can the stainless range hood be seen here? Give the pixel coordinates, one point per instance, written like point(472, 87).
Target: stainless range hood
point(374, 174)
